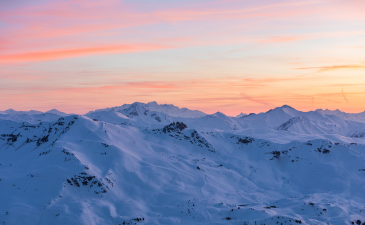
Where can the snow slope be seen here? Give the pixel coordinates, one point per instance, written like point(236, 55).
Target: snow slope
point(357, 117)
point(124, 166)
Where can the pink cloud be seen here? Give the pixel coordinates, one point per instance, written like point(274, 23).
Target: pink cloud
point(21, 77)
point(280, 39)
point(64, 29)
point(91, 18)
point(65, 53)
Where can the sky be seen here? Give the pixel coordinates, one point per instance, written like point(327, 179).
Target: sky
point(230, 56)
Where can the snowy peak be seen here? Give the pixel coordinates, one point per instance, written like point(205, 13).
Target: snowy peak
point(285, 109)
point(173, 111)
point(56, 112)
point(9, 111)
point(327, 111)
point(139, 112)
point(152, 104)
point(219, 115)
point(336, 112)
point(241, 115)
point(135, 109)
point(270, 119)
point(139, 109)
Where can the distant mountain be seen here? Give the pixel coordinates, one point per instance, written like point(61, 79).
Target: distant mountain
point(136, 114)
point(272, 118)
point(152, 164)
point(357, 117)
point(56, 112)
point(241, 115)
point(14, 112)
point(169, 110)
point(31, 116)
point(284, 118)
point(174, 111)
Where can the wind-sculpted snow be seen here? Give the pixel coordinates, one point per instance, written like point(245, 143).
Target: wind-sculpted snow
point(122, 166)
point(285, 126)
point(359, 134)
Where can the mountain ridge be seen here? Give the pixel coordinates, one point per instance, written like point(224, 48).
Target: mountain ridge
point(158, 108)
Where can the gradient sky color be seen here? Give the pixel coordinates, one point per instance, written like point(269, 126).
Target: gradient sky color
point(225, 55)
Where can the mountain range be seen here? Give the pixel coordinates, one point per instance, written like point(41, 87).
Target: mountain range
point(145, 163)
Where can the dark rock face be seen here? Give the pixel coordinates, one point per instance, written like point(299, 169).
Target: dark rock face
point(245, 140)
point(174, 131)
point(11, 138)
point(42, 140)
point(276, 154)
point(91, 181)
point(173, 127)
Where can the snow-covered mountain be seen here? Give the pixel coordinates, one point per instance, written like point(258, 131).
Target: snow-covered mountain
point(14, 112)
point(241, 115)
point(150, 164)
point(357, 117)
point(31, 116)
point(170, 110)
point(56, 112)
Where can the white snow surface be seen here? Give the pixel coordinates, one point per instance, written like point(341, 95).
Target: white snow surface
point(150, 164)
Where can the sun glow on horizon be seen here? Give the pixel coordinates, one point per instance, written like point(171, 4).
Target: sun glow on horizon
point(228, 56)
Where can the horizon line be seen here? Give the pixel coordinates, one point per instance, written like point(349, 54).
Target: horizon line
point(285, 105)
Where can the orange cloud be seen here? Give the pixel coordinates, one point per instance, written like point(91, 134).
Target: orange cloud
point(341, 85)
point(329, 68)
point(257, 99)
point(65, 53)
point(153, 86)
point(229, 95)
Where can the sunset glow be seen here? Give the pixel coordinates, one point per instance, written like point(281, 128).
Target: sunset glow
point(226, 55)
